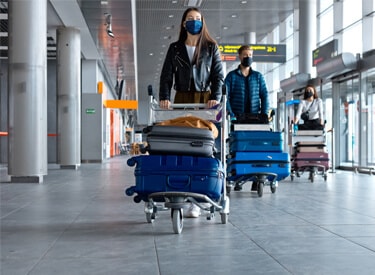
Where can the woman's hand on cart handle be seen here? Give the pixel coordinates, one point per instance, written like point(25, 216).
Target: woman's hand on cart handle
point(164, 104)
point(211, 103)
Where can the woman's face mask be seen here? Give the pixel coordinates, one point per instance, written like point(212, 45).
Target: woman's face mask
point(309, 93)
point(194, 26)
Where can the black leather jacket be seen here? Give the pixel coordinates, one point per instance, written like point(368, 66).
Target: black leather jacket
point(208, 76)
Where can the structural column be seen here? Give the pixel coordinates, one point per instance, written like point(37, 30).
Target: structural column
point(68, 98)
point(27, 91)
point(307, 34)
point(250, 38)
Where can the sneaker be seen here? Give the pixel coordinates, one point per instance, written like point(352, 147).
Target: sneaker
point(237, 188)
point(192, 211)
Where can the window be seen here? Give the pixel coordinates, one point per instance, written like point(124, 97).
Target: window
point(352, 39)
point(352, 12)
point(325, 24)
point(324, 4)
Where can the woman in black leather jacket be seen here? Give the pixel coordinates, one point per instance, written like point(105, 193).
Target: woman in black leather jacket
point(193, 64)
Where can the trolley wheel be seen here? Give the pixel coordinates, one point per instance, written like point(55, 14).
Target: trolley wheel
point(177, 220)
point(325, 177)
point(150, 217)
point(273, 187)
point(224, 218)
point(312, 177)
point(229, 188)
point(260, 188)
point(291, 177)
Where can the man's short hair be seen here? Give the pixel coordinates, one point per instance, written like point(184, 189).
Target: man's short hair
point(244, 48)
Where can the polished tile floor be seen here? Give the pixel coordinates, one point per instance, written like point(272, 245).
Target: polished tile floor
point(81, 222)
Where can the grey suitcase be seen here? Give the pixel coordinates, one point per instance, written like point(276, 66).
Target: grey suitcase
point(178, 140)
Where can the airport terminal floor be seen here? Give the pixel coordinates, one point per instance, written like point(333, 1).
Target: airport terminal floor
point(81, 222)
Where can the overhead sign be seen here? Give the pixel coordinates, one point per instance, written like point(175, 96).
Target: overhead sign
point(327, 51)
point(261, 52)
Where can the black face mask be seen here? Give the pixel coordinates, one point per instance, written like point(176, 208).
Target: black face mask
point(246, 62)
point(309, 94)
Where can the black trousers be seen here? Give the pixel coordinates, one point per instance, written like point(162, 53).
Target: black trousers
point(312, 124)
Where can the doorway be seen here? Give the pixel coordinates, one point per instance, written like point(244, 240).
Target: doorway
point(349, 122)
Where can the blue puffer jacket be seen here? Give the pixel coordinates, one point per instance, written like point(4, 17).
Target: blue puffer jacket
point(235, 83)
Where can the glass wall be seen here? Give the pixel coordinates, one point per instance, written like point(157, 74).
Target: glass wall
point(368, 114)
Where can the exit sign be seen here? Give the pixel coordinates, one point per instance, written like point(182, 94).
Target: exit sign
point(90, 111)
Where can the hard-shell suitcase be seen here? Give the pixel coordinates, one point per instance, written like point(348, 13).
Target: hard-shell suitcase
point(310, 147)
point(244, 163)
point(311, 159)
point(179, 140)
point(255, 141)
point(163, 173)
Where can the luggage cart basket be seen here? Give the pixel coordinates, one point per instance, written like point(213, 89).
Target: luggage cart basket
point(176, 201)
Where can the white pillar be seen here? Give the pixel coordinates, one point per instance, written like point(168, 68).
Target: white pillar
point(69, 97)
point(250, 38)
point(307, 34)
point(27, 89)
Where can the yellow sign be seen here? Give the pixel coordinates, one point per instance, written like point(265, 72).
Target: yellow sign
point(261, 53)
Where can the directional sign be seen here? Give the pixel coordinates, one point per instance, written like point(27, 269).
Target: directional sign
point(261, 52)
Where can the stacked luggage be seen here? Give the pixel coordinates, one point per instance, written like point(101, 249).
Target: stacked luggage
point(178, 169)
point(256, 155)
point(309, 154)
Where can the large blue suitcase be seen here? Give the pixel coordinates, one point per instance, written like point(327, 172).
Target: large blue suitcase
point(251, 163)
point(260, 141)
point(163, 173)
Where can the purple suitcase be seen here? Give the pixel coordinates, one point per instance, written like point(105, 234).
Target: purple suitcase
point(163, 173)
point(303, 159)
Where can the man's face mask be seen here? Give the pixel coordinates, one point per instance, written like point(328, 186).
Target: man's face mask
point(194, 26)
point(246, 61)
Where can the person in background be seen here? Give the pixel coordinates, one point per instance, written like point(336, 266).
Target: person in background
point(246, 91)
point(193, 65)
point(246, 88)
point(314, 105)
point(194, 69)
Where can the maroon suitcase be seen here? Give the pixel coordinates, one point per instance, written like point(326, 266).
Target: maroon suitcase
point(302, 159)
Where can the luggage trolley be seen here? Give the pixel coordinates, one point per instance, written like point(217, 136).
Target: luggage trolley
point(171, 181)
point(256, 155)
point(309, 154)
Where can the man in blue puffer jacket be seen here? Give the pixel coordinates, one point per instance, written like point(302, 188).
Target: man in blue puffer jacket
point(246, 91)
point(246, 88)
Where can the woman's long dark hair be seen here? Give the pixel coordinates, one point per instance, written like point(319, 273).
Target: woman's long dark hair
point(204, 37)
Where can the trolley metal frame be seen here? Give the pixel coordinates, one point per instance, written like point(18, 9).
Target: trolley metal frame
point(176, 201)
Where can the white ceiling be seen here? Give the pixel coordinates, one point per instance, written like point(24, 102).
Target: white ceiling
point(143, 29)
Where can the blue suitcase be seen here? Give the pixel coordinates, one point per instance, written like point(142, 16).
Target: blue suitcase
point(260, 141)
point(163, 173)
point(251, 163)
